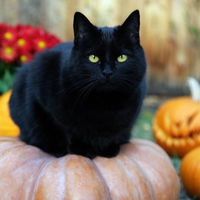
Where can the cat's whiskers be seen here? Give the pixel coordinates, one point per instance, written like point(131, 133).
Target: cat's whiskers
point(84, 92)
point(89, 89)
point(128, 82)
point(74, 86)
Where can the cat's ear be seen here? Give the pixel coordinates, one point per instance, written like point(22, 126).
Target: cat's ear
point(82, 26)
point(132, 23)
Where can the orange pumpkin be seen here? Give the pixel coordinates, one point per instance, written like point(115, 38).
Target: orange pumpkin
point(142, 171)
point(7, 126)
point(176, 125)
point(190, 172)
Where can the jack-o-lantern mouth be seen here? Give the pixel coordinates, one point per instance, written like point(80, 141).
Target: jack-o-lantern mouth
point(176, 125)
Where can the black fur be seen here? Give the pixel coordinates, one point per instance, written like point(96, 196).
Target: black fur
point(63, 103)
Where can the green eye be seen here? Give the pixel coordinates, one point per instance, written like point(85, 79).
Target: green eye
point(93, 58)
point(122, 58)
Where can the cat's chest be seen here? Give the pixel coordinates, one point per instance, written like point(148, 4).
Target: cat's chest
point(105, 102)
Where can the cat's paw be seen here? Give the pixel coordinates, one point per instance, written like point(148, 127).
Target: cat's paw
point(110, 151)
point(82, 149)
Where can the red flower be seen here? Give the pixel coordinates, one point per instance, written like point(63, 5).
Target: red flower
point(25, 58)
point(20, 43)
point(23, 45)
point(40, 44)
point(9, 35)
point(26, 31)
point(3, 28)
point(44, 40)
point(8, 54)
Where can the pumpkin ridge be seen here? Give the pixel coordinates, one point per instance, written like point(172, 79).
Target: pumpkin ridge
point(77, 177)
point(10, 148)
point(101, 175)
point(41, 168)
point(119, 164)
point(144, 176)
point(154, 147)
point(8, 139)
point(73, 162)
point(158, 154)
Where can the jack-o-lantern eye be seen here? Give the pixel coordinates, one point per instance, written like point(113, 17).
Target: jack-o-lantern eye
point(93, 58)
point(122, 58)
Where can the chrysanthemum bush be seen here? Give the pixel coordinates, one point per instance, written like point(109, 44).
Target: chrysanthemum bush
point(19, 44)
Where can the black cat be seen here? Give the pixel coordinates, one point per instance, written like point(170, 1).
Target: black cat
point(82, 97)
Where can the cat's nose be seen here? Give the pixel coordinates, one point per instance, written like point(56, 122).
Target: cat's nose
point(107, 72)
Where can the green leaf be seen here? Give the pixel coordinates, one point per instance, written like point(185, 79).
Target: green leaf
point(6, 81)
point(7, 67)
point(7, 75)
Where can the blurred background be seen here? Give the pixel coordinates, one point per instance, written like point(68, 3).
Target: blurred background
point(170, 36)
point(170, 31)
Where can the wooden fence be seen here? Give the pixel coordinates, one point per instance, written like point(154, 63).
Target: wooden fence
point(170, 31)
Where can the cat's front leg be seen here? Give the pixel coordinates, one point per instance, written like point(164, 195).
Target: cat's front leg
point(110, 151)
point(78, 147)
point(87, 150)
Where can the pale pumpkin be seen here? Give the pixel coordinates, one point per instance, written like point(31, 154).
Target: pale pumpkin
point(176, 125)
point(142, 171)
point(7, 126)
point(190, 172)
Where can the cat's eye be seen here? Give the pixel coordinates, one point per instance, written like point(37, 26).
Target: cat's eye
point(122, 58)
point(93, 58)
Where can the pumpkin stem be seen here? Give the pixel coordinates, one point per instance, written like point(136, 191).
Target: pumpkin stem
point(194, 88)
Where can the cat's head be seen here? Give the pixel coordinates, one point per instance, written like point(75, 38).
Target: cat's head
point(108, 58)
